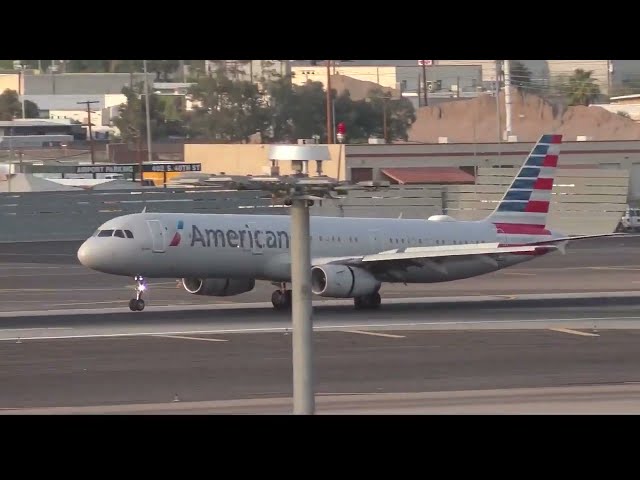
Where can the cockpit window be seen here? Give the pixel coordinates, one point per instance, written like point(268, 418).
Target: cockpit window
point(105, 233)
point(128, 233)
point(95, 234)
point(118, 233)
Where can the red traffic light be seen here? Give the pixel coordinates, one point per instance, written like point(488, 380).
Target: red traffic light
point(341, 128)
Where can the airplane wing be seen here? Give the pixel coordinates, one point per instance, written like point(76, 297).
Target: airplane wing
point(437, 256)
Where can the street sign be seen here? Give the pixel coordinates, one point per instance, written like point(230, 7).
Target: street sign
point(426, 63)
point(131, 168)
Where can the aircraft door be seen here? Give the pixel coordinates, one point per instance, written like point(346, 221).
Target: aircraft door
point(157, 235)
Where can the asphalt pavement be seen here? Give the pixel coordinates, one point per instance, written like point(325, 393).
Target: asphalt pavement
point(194, 368)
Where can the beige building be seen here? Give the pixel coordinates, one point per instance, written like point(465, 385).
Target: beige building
point(383, 75)
point(625, 105)
point(11, 81)
point(254, 160)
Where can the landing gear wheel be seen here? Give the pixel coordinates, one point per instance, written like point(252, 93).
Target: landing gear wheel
point(281, 300)
point(368, 302)
point(137, 304)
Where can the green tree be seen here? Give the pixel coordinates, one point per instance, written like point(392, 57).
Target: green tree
point(162, 68)
point(227, 111)
point(282, 99)
point(88, 66)
point(579, 88)
point(521, 78)
point(11, 107)
point(400, 115)
point(132, 121)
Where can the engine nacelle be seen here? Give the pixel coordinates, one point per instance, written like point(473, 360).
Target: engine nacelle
point(341, 281)
point(218, 287)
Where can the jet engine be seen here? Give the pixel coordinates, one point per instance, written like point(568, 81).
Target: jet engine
point(341, 281)
point(218, 287)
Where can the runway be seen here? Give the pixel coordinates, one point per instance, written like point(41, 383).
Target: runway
point(568, 322)
point(133, 374)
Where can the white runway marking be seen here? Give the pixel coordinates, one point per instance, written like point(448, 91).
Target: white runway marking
point(574, 332)
point(85, 303)
point(223, 331)
point(33, 328)
point(193, 338)
point(361, 332)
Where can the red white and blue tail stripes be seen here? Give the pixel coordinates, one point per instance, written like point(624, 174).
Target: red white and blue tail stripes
point(523, 209)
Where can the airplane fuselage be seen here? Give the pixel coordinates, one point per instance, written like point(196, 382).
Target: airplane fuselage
point(191, 245)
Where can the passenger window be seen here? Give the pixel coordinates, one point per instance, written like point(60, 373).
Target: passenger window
point(118, 233)
point(128, 233)
point(105, 233)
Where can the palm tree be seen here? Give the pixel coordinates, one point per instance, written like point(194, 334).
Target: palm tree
point(581, 89)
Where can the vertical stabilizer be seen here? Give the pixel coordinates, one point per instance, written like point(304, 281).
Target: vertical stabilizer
point(525, 204)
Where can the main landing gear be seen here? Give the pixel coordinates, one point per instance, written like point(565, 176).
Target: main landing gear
point(137, 304)
point(281, 298)
point(368, 302)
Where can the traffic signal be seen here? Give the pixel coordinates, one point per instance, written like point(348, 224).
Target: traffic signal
point(341, 128)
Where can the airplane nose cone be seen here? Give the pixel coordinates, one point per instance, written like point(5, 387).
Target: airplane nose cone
point(84, 254)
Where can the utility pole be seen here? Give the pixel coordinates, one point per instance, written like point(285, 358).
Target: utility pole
point(20, 84)
point(498, 101)
point(384, 119)
point(88, 104)
point(507, 97)
point(329, 105)
point(146, 99)
point(424, 80)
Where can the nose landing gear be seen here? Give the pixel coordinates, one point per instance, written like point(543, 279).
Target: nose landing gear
point(137, 304)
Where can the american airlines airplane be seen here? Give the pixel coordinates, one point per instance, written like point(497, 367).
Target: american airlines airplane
point(224, 254)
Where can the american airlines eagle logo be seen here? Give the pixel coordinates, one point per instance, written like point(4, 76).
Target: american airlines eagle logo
point(177, 237)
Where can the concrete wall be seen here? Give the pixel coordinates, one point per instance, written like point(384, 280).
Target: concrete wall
point(622, 155)
point(253, 159)
point(585, 201)
point(43, 216)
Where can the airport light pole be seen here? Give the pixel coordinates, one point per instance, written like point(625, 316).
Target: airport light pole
point(300, 191)
point(301, 308)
